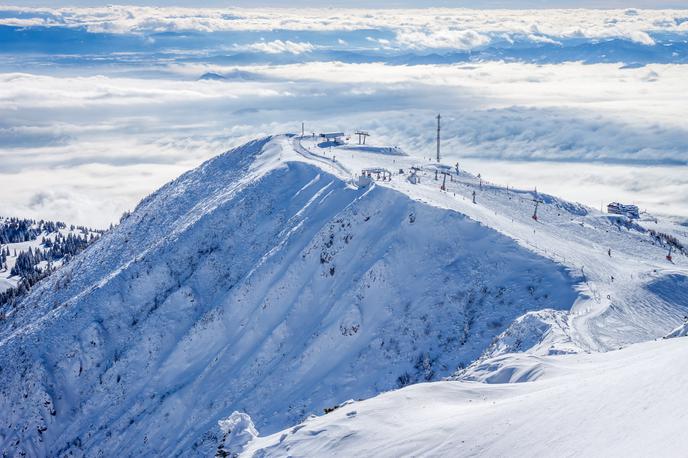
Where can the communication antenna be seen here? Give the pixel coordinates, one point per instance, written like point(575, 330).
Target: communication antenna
point(438, 137)
point(302, 129)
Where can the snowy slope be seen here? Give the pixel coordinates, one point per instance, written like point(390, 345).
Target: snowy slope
point(10, 281)
point(266, 282)
point(263, 282)
point(634, 295)
point(617, 404)
point(681, 331)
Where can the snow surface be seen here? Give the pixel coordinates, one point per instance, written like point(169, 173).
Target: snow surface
point(646, 296)
point(616, 404)
point(266, 283)
point(681, 331)
point(8, 281)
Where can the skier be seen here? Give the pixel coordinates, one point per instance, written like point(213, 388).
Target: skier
point(609, 252)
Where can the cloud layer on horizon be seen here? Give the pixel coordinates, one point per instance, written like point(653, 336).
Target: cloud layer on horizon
point(155, 128)
point(91, 126)
point(441, 28)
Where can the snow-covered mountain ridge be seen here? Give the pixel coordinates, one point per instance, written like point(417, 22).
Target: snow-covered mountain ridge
point(265, 281)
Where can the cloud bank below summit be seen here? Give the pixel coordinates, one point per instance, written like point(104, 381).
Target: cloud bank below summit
point(108, 103)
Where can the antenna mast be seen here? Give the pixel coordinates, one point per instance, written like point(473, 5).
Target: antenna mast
point(438, 137)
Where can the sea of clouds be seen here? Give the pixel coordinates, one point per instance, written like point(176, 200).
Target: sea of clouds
point(103, 105)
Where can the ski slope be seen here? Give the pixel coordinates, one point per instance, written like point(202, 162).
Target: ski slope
point(646, 296)
point(616, 404)
point(266, 281)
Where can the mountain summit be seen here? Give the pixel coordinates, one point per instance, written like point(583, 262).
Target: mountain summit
point(273, 281)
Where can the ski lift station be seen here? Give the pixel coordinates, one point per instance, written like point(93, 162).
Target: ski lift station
point(334, 137)
point(630, 211)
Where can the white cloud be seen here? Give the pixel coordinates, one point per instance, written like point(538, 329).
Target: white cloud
point(543, 39)
point(93, 194)
point(458, 28)
point(659, 189)
point(119, 138)
point(73, 146)
point(278, 47)
point(441, 39)
point(640, 37)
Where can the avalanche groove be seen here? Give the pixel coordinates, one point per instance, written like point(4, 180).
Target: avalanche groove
point(260, 283)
